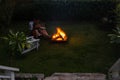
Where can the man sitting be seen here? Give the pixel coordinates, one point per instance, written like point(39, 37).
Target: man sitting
point(39, 30)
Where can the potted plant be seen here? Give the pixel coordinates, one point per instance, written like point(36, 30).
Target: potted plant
point(16, 42)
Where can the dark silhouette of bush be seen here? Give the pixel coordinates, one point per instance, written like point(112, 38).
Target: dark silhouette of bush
point(69, 10)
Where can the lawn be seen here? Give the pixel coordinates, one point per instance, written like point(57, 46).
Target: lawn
point(87, 50)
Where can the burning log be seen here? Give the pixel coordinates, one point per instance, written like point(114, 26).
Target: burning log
point(59, 36)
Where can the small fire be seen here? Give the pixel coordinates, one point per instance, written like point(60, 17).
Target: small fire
point(59, 35)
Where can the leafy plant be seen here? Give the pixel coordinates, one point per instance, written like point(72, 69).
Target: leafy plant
point(16, 42)
point(115, 37)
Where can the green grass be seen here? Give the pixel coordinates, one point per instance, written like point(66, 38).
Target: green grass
point(87, 50)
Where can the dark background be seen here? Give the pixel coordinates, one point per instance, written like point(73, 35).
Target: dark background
point(65, 10)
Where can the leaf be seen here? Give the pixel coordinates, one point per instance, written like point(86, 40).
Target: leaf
point(11, 33)
point(23, 45)
point(5, 38)
point(19, 48)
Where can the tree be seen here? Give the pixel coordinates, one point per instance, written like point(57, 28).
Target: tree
point(6, 11)
point(7, 8)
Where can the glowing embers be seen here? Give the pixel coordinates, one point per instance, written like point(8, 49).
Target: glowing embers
point(59, 36)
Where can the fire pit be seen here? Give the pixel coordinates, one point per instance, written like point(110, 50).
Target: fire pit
point(59, 36)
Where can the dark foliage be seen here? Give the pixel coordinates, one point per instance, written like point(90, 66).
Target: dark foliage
point(70, 10)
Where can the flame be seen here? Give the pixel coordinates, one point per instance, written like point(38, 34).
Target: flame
point(59, 35)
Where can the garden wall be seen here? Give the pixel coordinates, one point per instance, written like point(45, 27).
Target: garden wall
point(76, 76)
point(61, 76)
